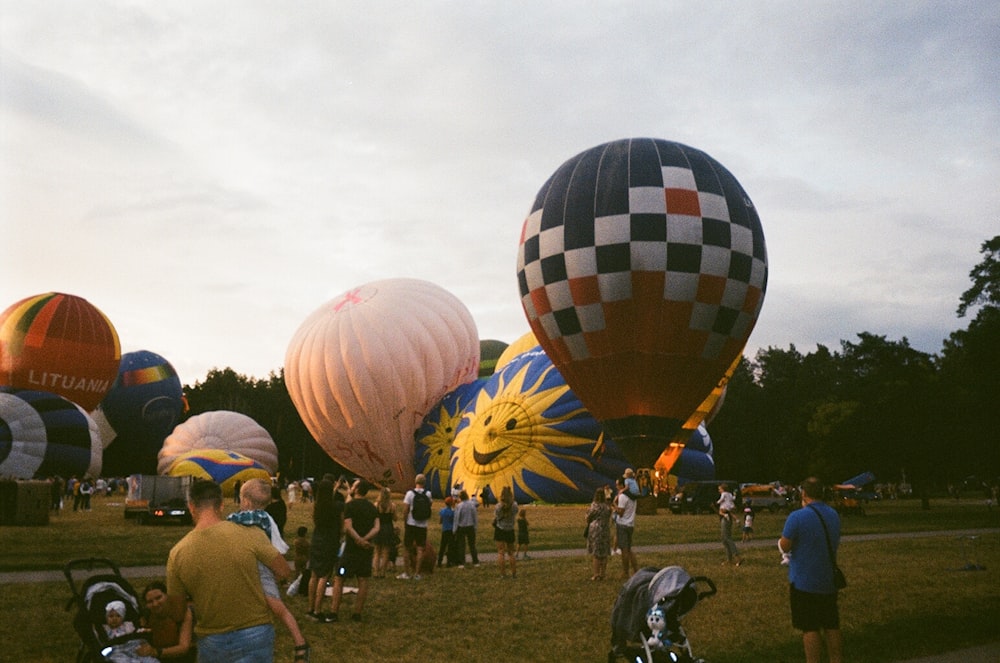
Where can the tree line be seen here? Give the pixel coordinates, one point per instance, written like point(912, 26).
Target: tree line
point(873, 404)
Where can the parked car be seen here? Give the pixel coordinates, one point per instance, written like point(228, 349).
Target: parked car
point(697, 497)
point(762, 496)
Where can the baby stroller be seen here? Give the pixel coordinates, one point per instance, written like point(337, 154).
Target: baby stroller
point(90, 597)
point(674, 593)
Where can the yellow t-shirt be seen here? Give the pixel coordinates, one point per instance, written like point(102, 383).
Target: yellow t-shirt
point(217, 568)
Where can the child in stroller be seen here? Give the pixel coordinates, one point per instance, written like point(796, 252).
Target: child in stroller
point(103, 639)
point(646, 618)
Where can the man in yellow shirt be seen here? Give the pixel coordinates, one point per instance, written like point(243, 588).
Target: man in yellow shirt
point(215, 565)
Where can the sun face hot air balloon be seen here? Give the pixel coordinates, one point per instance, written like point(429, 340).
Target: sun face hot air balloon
point(142, 407)
point(43, 434)
point(61, 344)
point(224, 430)
point(365, 368)
point(642, 269)
point(434, 439)
point(527, 430)
point(523, 344)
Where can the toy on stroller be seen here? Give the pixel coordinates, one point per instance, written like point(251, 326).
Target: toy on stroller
point(646, 618)
point(90, 597)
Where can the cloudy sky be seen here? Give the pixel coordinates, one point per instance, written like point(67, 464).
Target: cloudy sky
point(209, 173)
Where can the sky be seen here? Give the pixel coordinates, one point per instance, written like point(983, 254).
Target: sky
point(209, 173)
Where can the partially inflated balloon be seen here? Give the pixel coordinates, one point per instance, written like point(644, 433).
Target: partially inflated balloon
point(141, 409)
point(524, 344)
point(224, 430)
point(223, 467)
point(434, 439)
point(61, 344)
point(365, 368)
point(43, 434)
point(489, 351)
point(528, 431)
point(642, 269)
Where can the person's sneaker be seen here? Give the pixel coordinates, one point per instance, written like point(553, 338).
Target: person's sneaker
point(330, 617)
point(313, 617)
point(403, 576)
point(460, 566)
point(356, 617)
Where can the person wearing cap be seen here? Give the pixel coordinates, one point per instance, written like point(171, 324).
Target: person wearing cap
point(447, 544)
point(116, 627)
point(215, 565)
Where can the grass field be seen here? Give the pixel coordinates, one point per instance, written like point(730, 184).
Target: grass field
point(908, 596)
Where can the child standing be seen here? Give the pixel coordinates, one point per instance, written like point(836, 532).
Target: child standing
point(301, 546)
point(447, 516)
point(522, 534)
point(255, 494)
point(747, 524)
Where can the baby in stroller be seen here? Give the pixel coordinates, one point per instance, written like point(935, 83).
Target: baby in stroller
point(123, 641)
point(646, 618)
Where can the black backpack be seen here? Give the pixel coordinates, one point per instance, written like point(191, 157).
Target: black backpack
point(421, 505)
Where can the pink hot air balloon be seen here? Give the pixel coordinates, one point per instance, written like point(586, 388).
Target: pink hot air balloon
point(365, 368)
point(642, 269)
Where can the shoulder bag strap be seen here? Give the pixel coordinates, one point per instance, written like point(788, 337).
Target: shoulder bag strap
point(826, 533)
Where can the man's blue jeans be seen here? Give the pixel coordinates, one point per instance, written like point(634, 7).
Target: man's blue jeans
point(248, 645)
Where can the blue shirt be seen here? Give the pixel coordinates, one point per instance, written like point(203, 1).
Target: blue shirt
point(447, 519)
point(811, 569)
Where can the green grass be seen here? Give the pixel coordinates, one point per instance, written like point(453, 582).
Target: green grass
point(907, 597)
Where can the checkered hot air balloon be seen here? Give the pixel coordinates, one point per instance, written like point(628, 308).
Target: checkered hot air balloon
point(642, 270)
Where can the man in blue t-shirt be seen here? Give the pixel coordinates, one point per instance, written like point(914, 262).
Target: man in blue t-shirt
point(812, 592)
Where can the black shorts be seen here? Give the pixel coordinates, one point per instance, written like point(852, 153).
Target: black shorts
point(503, 535)
point(356, 563)
point(415, 536)
point(813, 612)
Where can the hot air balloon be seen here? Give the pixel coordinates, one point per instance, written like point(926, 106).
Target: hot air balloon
point(436, 435)
point(489, 351)
point(142, 407)
point(523, 344)
point(527, 430)
point(61, 344)
point(220, 429)
point(221, 466)
point(43, 434)
point(642, 269)
point(365, 368)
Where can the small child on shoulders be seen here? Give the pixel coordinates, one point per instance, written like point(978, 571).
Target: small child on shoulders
point(255, 495)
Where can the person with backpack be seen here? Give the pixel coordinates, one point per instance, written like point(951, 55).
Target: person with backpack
point(416, 513)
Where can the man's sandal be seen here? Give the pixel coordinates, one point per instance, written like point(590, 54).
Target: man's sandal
point(302, 652)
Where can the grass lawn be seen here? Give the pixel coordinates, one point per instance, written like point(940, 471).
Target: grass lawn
point(907, 597)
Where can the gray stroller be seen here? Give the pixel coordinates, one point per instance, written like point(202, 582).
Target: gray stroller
point(672, 593)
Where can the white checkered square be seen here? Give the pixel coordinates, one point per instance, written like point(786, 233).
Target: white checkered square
point(648, 256)
point(581, 262)
point(683, 229)
point(675, 177)
point(577, 346)
point(647, 200)
point(715, 260)
point(703, 316)
point(615, 287)
point(741, 239)
point(735, 294)
point(559, 295)
point(680, 287)
point(714, 346)
point(591, 317)
point(550, 241)
point(713, 206)
point(615, 229)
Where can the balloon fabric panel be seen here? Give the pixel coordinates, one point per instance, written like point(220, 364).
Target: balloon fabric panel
point(436, 435)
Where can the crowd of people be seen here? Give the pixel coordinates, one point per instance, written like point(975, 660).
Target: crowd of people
point(225, 578)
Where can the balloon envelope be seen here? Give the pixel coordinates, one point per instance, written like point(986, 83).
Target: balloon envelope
point(365, 368)
point(223, 430)
point(221, 466)
point(527, 430)
point(61, 344)
point(642, 269)
point(434, 439)
point(142, 407)
point(43, 434)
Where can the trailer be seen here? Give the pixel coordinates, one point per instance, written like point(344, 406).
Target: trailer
point(155, 498)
